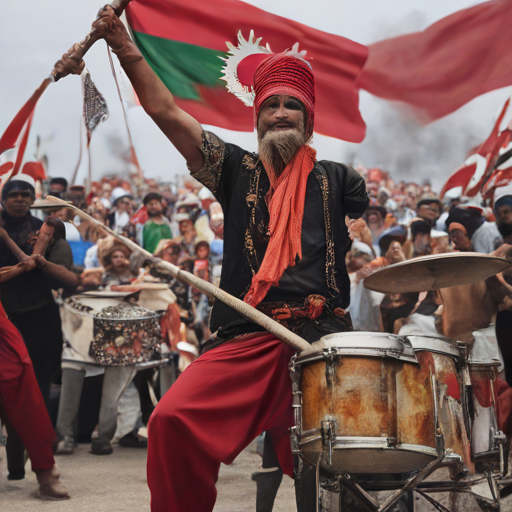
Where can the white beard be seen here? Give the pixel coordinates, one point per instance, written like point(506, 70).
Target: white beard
point(276, 149)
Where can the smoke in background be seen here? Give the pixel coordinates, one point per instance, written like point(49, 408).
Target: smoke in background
point(398, 143)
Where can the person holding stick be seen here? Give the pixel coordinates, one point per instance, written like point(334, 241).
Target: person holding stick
point(21, 401)
point(285, 241)
point(27, 296)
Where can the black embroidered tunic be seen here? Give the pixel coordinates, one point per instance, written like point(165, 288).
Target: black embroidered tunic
point(238, 180)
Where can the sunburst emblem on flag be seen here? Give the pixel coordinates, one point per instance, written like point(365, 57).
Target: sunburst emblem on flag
point(240, 62)
point(95, 106)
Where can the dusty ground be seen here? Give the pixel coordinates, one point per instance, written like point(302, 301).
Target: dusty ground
point(117, 483)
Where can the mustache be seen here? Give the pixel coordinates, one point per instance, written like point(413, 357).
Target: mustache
point(285, 123)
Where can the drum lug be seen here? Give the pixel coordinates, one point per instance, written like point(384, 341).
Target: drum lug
point(330, 355)
point(392, 442)
point(328, 437)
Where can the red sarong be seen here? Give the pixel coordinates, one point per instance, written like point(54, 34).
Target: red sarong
point(220, 403)
point(21, 398)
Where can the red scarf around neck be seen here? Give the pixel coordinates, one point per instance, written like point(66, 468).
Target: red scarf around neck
point(286, 211)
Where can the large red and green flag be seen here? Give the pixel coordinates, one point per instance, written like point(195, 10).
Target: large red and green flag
point(182, 40)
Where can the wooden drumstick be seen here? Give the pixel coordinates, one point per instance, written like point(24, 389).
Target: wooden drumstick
point(78, 51)
point(209, 289)
point(20, 255)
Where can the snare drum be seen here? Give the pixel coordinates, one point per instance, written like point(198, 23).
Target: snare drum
point(367, 405)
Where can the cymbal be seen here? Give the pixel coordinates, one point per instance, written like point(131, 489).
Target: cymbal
point(434, 272)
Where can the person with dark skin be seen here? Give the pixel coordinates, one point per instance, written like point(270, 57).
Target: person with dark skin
point(459, 236)
point(275, 255)
point(21, 402)
point(28, 298)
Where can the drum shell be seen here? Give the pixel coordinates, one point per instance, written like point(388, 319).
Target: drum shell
point(383, 410)
point(484, 420)
point(444, 359)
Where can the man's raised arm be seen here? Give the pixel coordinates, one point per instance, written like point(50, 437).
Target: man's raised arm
point(181, 129)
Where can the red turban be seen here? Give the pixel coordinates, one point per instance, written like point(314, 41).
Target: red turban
point(284, 74)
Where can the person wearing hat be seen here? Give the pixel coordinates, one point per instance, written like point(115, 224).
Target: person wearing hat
point(484, 235)
point(429, 209)
point(284, 242)
point(115, 261)
point(58, 187)
point(23, 407)
point(28, 299)
point(460, 239)
point(120, 217)
point(157, 226)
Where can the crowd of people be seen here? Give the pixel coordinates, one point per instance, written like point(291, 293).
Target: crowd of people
point(184, 226)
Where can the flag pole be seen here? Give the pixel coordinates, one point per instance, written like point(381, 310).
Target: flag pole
point(78, 51)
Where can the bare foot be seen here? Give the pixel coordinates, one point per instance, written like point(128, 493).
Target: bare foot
point(50, 485)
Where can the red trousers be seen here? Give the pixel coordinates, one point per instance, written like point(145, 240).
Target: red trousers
point(21, 398)
point(220, 403)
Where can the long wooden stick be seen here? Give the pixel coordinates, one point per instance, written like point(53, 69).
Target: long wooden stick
point(239, 306)
point(83, 46)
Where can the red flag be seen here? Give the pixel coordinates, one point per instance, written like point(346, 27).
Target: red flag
point(451, 62)
point(34, 169)
point(10, 136)
point(183, 39)
point(477, 169)
point(22, 145)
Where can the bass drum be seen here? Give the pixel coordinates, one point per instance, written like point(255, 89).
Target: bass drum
point(443, 357)
point(367, 405)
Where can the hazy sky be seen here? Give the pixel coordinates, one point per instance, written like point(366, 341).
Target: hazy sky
point(33, 35)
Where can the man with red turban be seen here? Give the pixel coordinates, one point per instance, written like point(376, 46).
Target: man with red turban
point(285, 240)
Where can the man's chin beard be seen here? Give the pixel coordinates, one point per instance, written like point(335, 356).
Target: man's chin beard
point(277, 148)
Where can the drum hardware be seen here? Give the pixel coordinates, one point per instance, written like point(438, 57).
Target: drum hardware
point(328, 431)
point(346, 481)
point(295, 431)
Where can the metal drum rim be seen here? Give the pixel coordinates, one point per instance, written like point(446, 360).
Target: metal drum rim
point(391, 345)
point(440, 345)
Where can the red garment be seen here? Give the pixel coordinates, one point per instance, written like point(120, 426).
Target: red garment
point(286, 210)
point(21, 398)
point(219, 404)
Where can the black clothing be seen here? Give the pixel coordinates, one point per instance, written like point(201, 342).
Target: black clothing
point(503, 335)
point(239, 181)
point(30, 290)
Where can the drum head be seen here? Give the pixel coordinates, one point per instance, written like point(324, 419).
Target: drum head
point(373, 344)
